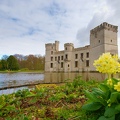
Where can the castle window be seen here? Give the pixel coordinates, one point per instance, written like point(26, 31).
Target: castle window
point(58, 57)
point(51, 58)
point(61, 64)
point(87, 63)
point(66, 56)
point(61, 57)
point(111, 40)
point(65, 48)
point(68, 65)
point(87, 55)
point(81, 56)
point(55, 58)
point(51, 65)
point(76, 56)
point(76, 63)
point(51, 52)
point(99, 41)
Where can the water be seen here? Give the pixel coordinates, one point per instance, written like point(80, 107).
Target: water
point(15, 79)
point(12, 79)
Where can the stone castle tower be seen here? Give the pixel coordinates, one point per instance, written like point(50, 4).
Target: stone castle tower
point(103, 38)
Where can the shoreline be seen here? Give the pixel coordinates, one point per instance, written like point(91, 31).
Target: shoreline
point(24, 85)
point(29, 84)
point(36, 71)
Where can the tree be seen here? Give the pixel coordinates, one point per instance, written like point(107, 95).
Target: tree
point(12, 63)
point(32, 62)
point(3, 64)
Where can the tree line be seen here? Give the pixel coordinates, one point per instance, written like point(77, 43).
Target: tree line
point(21, 62)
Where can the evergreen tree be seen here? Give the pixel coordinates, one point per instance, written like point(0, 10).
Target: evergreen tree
point(12, 63)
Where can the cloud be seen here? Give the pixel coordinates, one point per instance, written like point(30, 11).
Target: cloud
point(27, 25)
point(106, 12)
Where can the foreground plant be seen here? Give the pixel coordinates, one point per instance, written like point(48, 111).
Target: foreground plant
point(105, 100)
point(47, 102)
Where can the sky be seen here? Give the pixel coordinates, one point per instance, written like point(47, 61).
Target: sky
point(27, 25)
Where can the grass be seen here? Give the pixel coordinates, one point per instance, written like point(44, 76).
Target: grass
point(47, 102)
point(27, 71)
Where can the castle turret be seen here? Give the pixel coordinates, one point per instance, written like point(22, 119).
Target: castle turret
point(103, 38)
point(51, 48)
point(68, 49)
point(56, 45)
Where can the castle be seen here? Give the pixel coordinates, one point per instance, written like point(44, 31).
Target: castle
point(103, 38)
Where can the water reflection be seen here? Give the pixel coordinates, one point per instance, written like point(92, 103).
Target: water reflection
point(61, 77)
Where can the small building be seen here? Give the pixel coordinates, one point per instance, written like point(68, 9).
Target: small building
point(103, 38)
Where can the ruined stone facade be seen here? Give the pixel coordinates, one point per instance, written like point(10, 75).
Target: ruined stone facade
point(103, 38)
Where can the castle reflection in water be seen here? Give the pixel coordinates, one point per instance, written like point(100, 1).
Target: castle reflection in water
point(62, 77)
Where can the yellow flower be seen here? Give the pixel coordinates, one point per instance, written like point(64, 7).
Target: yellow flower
point(109, 82)
point(107, 64)
point(117, 87)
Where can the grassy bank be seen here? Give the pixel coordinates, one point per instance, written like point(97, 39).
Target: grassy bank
point(25, 71)
point(47, 102)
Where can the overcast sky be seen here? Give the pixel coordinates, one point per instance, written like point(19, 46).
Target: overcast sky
point(26, 25)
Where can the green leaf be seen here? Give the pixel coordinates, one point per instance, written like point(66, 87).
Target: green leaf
point(109, 112)
point(102, 118)
point(10, 107)
point(92, 106)
point(25, 118)
point(103, 87)
point(117, 108)
point(118, 96)
point(98, 91)
point(1, 106)
point(99, 96)
point(31, 95)
point(113, 97)
point(90, 96)
point(115, 80)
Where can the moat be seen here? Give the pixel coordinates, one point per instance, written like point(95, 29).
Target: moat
point(23, 79)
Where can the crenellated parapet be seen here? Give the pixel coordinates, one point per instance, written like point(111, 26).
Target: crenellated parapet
point(49, 44)
point(69, 44)
point(87, 47)
point(106, 26)
point(52, 46)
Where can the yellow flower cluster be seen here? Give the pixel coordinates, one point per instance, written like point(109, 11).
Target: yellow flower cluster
point(107, 64)
point(46, 86)
point(109, 82)
point(117, 87)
